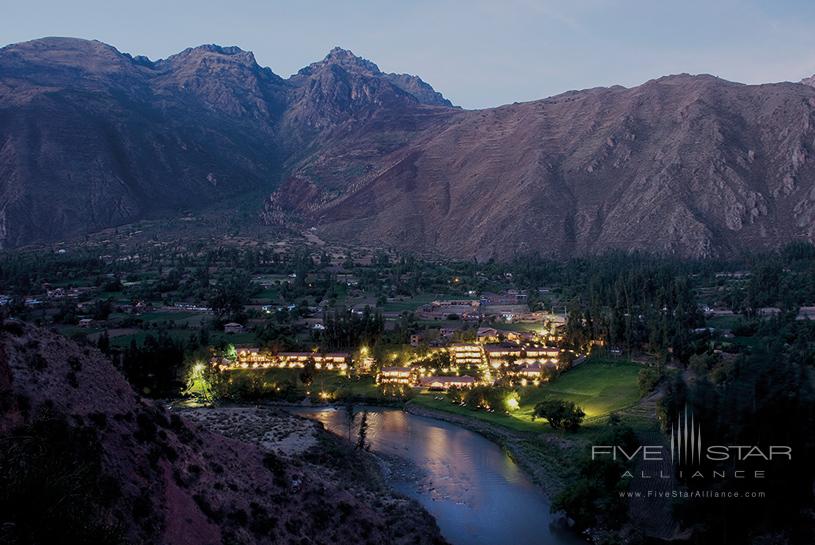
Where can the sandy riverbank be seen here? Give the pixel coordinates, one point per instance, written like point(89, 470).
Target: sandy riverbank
point(270, 427)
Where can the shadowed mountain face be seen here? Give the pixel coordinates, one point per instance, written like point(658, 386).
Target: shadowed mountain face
point(690, 165)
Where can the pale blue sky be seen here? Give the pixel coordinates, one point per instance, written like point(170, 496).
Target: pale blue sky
point(478, 53)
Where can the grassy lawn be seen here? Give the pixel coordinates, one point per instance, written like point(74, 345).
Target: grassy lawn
point(270, 294)
point(518, 326)
point(455, 324)
point(724, 322)
point(599, 387)
point(121, 341)
point(167, 316)
point(245, 338)
point(413, 303)
point(71, 330)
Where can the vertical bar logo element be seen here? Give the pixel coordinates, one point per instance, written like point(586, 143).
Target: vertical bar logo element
point(686, 439)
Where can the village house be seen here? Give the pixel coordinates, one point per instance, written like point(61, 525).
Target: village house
point(806, 313)
point(487, 335)
point(519, 336)
point(365, 364)
point(256, 358)
point(532, 371)
point(542, 353)
point(58, 293)
point(233, 327)
point(443, 310)
point(86, 322)
point(447, 332)
point(445, 383)
point(506, 313)
point(466, 354)
point(396, 375)
point(510, 297)
point(500, 355)
point(415, 340)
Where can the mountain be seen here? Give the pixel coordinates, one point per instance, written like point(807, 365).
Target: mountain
point(686, 165)
point(91, 137)
point(809, 81)
point(82, 455)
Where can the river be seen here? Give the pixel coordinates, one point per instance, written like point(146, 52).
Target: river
point(477, 494)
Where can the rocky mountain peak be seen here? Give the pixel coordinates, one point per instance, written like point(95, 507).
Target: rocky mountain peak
point(344, 59)
point(349, 63)
point(421, 90)
point(809, 81)
point(230, 54)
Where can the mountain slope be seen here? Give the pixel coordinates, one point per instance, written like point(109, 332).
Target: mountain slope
point(687, 165)
point(92, 138)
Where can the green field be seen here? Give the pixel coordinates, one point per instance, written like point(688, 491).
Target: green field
point(598, 387)
point(414, 302)
point(268, 295)
point(724, 322)
point(517, 326)
point(160, 316)
point(123, 341)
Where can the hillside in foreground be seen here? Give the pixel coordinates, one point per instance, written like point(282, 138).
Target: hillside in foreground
point(85, 460)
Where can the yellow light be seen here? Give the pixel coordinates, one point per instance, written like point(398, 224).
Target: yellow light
point(512, 402)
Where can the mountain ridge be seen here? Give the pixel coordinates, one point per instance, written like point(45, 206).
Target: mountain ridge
point(683, 164)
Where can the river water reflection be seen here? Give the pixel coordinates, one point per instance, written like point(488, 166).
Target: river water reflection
point(477, 494)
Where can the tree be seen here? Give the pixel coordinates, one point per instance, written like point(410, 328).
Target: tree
point(561, 414)
point(155, 368)
point(349, 417)
point(103, 344)
point(593, 500)
point(307, 374)
point(648, 379)
point(362, 434)
point(229, 296)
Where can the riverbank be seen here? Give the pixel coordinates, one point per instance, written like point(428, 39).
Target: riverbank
point(545, 458)
point(466, 480)
point(268, 428)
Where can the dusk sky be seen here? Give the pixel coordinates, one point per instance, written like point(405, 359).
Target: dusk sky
point(477, 53)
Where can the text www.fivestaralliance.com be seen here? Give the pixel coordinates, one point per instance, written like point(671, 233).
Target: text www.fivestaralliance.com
point(690, 494)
